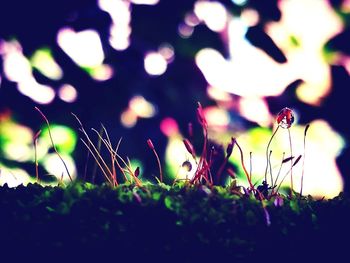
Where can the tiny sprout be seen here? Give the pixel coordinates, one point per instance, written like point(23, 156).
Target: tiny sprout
point(285, 118)
point(150, 144)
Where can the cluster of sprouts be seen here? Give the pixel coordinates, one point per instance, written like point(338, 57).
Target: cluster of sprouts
point(203, 174)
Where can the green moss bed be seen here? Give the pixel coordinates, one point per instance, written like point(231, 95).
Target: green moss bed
point(159, 223)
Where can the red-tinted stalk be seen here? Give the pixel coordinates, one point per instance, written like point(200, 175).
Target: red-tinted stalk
point(53, 144)
point(151, 146)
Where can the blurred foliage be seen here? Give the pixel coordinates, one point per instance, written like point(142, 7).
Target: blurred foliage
point(174, 94)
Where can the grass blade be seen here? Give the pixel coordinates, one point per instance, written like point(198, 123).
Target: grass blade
point(53, 144)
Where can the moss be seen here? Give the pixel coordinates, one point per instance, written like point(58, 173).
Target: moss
point(182, 223)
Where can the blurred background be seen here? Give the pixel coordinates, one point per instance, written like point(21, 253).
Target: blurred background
point(139, 67)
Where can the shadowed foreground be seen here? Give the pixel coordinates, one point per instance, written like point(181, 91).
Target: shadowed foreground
point(162, 223)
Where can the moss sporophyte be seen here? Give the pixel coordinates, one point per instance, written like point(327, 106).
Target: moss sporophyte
point(208, 168)
point(203, 165)
point(198, 215)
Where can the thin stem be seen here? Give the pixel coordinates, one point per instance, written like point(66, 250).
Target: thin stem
point(151, 146)
point(128, 169)
point(94, 171)
point(96, 152)
point(61, 180)
point(250, 165)
point(116, 161)
point(244, 168)
point(159, 165)
point(279, 171)
point(105, 142)
point(114, 174)
point(210, 163)
point(270, 168)
point(284, 177)
point(302, 172)
point(291, 164)
point(36, 155)
point(97, 161)
point(221, 169)
point(109, 148)
point(203, 155)
point(267, 152)
point(86, 165)
point(53, 144)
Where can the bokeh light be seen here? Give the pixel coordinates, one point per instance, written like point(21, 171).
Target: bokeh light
point(84, 47)
point(169, 127)
point(167, 51)
point(102, 72)
point(67, 93)
point(43, 61)
point(14, 176)
point(141, 107)
point(212, 13)
point(323, 146)
point(118, 62)
point(185, 31)
point(16, 66)
point(120, 29)
point(155, 64)
point(301, 19)
point(42, 94)
point(217, 118)
point(65, 138)
point(240, 2)
point(145, 2)
point(16, 141)
point(176, 155)
point(128, 118)
point(255, 109)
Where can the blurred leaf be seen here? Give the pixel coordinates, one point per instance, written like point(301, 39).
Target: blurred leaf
point(65, 138)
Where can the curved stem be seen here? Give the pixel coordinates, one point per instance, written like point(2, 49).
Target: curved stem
point(159, 165)
point(267, 152)
point(53, 144)
point(302, 173)
point(279, 171)
point(244, 168)
point(291, 164)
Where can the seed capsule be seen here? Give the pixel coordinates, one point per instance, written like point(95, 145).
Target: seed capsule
point(150, 144)
point(285, 118)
